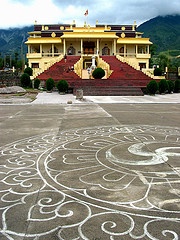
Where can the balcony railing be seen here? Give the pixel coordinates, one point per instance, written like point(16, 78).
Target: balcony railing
point(137, 55)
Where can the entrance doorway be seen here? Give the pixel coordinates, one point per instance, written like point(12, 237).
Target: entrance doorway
point(88, 47)
point(106, 51)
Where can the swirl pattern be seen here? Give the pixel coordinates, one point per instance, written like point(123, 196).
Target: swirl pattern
point(95, 183)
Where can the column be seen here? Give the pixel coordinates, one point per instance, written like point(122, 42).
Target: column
point(125, 50)
point(136, 50)
point(81, 46)
point(97, 47)
point(148, 49)
point(29, 49)
point(41, 49)
point(52, 49)
point(115, 47)
point(64, 52)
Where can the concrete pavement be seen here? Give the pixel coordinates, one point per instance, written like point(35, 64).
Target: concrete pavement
point(56, 98)
point(90, 171)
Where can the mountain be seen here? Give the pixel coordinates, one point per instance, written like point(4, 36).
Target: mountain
point(163, 32)
point(12, 38)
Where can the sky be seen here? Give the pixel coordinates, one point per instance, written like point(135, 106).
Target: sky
point(19, 13)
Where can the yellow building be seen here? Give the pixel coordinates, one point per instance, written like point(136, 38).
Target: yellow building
point(48, 44)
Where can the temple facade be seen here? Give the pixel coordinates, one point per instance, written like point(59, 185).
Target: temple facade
point(48, 44)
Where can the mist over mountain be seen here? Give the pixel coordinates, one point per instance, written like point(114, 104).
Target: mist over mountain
point(162, 31)
point(12, 38)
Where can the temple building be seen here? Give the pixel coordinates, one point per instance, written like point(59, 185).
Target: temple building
point(87, 45)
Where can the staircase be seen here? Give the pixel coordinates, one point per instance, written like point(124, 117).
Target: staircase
point(60, 70)
point(123, 71)
point(123, 81)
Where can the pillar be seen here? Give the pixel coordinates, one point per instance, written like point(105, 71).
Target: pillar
point(41, 49)
point(81, 46)
point(136, 49)
point(52, 49)
point(125, 50)
point(148, 49)
point(97, 47)
point(64, 52)
point(29, 49)
point(115, 47)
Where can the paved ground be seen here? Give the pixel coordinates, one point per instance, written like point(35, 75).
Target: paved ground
point(90, 171)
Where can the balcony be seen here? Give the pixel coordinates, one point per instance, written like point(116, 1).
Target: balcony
point(143, 55)
point(40, 55)
point(34, 55)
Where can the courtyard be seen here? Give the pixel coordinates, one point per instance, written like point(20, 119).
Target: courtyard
point(90, 171)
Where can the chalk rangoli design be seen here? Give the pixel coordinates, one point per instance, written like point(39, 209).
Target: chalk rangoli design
point(96, 183)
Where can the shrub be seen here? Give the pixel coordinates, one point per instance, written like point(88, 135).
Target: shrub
point(50, 84)
point(177, 86)
point(171, 86)
point(98, 73)
point(62, 86)
point(29, 71)
point(36, 83)
point(163, 86)
point(152, 87)
point(25, 80)
point(157, 72)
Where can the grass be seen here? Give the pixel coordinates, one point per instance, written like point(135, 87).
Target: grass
point(19, 94)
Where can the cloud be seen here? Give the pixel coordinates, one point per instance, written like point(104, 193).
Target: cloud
point(26, 2)
point(65, 11)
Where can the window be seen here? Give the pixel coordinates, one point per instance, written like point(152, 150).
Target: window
point(35, 65)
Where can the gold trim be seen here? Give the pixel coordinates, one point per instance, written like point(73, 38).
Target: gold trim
point(53, 35)
point(123, 35)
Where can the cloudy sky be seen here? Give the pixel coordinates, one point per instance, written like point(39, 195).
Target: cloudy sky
point(17, 13)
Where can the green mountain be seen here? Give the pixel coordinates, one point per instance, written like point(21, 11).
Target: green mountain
point(163, 32)
point(11, 40)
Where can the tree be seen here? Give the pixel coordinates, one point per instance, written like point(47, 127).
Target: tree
point(62, 86)
point(25, 80)
point(162, 60)
point(36, 83)
point(171, 86)
point(29, 71)
point(1, 63)
point(163, 86)
point(98, 73)
point(50, 84)
point(152, 87)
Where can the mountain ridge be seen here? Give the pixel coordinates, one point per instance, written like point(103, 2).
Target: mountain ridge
point(163, 31)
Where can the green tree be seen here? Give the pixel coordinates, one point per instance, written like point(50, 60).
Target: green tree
point(98, 73)
point(152, 87)
point(29, 71)
point(1, 63)
point(25, 80)
point(62, 86)
point(36, 83)
point(162, 60)
point(50, 84)
point(163, 86)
